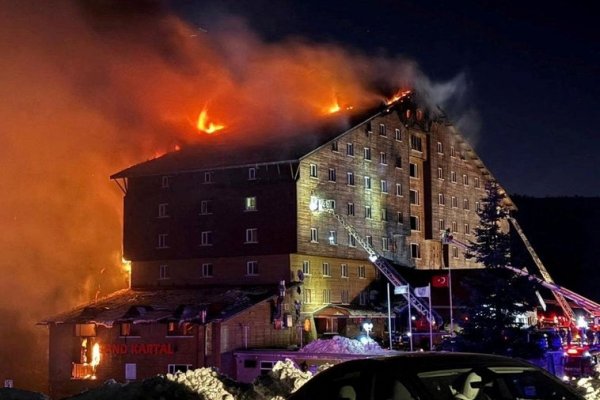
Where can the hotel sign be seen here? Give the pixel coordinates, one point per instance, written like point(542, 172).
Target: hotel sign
point(137, 348)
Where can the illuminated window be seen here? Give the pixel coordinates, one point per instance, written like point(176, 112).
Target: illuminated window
point(178, 328)
point(163, 210)
point(350, 178)
point(362, 271)
point(414, 197)
point(306, 267)
point(415, 224)
point(415, 143)
point(382, 130)
point(368, 153)
point(206, 238)
point(166, 182)
point(414, 170)
point(415, 250)
point(326, 295)
point(467, 229)
point(398, 189)
point(207, 270)
point(251, 174)
point(350, 149)
point(251, 235)
point(384, 186)
point(208, 177)
point(252, 268)
point(306, 296)
point(440, 148)
point(454, 202)
point(368, 214)
point(130, 371)
point(383, 158)
point(326, 269)
point(440, 173)
point(333, 238)
point(351, 240)
point(313, 170)
point(314, 235)
point(163, 271)
point(385, 243)
point(367, 183)
point(441, 199)
point(162, 241)
point(332, 176)
point(344, 270)
point(205, 207)
point(250, 203)
point(350, 208)
point(128, 329)
point(398, 135)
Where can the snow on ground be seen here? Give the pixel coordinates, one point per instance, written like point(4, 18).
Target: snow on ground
point(344, 345)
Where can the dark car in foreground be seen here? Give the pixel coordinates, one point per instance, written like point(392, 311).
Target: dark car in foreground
point(435, 376)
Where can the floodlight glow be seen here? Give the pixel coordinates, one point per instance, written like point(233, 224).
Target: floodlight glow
point(314, 203)
point(372, 258)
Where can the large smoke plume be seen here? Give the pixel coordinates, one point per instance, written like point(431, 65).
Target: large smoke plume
point(89, 88)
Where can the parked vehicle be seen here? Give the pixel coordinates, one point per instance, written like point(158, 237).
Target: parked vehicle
point(435, 376)
point(580, 362)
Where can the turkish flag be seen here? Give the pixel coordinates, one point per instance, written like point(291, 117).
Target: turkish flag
point(439, 281)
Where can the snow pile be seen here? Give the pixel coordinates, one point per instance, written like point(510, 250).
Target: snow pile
point(590, 388)
point(285, 378)
point(208, 383)
point(343, 345)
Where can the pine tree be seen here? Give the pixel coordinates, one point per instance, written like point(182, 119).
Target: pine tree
point(496, 295)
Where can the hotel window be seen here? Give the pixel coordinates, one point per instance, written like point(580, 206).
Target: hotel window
point(383, 158)
point(252, 268)
point(415, 143)
point(207, 270)
point(326, 269)
point(334, 146)
point(208, 177)
point(399, 217)
point(414, 197)
point(384, 186)
point(251, 235)
point(326, 295)
point(455, 252)
point(177, 328)
point(362, 271)
point(476, 182)
point(441, 173)
point(363, 298)
point(128, 329)
point(306, 296)
point(385, 243)
point(350, 149)
point(398, 189)
point(165, 182)
point(332, 176)
point(350, 178)
point(441, 199)
point(344, 270)
point(440, 148)
point(382, 130)
point(415, 250)
point(205, 207)
point(465, 204)
point(351, 240)
point(368, 153)
point(415, 223)
point(173, 368)
point(333, 238)
point(250, 203)
point(384, 214)
point(368, 128)
point(414, 170)
point(442, 225)
point(454, 202)
point(251, 174)
point(367, 183)
point(163, 271)
point(163, 211)
point(398, 134)
point(313, 170)
point(350, 208)
point(452, 152)
point(477, 206)
point(465, 180)
point(206, 238)
point(453, 176)
point(314, 235)
point(130, 371)
point(398, 162)
point(345, 298)
point(467, 229)
point(369, 240)
point(162, 241)
point(306, 267)
point(454, 227)
point(368, 214)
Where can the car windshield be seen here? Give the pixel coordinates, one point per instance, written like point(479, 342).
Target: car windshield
point(491, 383)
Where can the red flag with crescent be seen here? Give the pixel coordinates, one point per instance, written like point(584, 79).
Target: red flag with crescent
point(439, 281)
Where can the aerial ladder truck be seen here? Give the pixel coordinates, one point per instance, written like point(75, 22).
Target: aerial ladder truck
point(377, 259)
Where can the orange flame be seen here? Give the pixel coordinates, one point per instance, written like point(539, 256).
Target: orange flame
point(95, 355)
point(205, 125)
point(335, 106)
point(397, 96)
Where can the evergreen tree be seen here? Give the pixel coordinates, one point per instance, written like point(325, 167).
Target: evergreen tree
point(496, 294)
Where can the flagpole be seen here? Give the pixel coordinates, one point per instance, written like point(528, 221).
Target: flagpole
point(410, 338)
point(450, 300)
point(431, 319)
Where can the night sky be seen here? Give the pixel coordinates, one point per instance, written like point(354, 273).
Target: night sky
point(529, 72)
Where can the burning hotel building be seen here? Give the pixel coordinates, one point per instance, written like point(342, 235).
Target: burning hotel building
point(230, 251)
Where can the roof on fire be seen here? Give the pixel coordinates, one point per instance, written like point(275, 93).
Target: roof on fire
point(145, 306)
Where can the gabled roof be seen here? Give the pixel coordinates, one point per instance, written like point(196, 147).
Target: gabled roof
point(144, 306)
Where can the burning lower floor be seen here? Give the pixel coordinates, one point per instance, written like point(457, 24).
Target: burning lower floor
point(135, 334)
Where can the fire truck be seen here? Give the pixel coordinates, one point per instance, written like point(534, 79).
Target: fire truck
point(580, 362)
